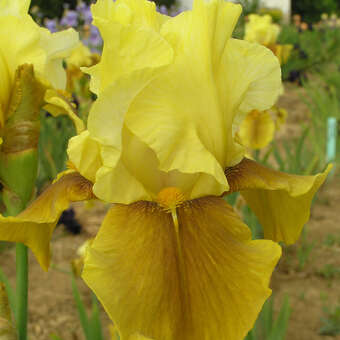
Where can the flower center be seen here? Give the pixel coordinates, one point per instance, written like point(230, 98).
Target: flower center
point(170, 198)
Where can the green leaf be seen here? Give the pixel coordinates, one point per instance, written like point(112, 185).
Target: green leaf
point(95, 325)
point(84, 321)
point(280, 326)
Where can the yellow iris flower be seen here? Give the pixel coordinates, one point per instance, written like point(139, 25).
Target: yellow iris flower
point(262, 30)
point(257, 130)
point(81, 56)
point(172, 260)
point(25, 42)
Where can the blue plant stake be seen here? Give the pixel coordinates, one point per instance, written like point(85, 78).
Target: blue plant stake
point(331, 139)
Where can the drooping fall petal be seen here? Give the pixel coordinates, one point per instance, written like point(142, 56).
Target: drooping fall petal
point(208, 283)
point(280, 201)
point(34, 226)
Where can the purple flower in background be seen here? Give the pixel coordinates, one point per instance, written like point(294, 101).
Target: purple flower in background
point(163, 10)
point(51, 24)
point(70, 19)
point(87, 15)
point(81, 6)
point(95, 38)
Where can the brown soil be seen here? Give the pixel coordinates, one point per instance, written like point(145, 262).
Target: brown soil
point(52, 308)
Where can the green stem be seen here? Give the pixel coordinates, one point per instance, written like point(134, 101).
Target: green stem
point(22, 290)
point(21, 305)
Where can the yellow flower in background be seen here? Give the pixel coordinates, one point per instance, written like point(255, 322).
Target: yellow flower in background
point(25, 42)
point(172, 260)
point(81, 56)
point(257, 130)
point(262, 30)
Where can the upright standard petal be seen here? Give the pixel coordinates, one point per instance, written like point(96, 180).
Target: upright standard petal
point(132, 41)
point(181, 105)
point(186, 118)
point(209, 281)
point(34, 226)
point(280, 201)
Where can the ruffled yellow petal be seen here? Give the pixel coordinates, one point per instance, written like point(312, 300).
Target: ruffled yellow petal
point(208, 282)
point(185, 115)
point(280, 201)
point(132, 41)
point(135, 175)
point(176, 124)
point(257, 130)
point(59, 103)
point(34, 226)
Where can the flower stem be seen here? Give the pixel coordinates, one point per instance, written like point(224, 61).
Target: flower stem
point(21, 290)
point(21, 310)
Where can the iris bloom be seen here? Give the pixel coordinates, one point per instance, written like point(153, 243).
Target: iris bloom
point(258, 128)
point(81, 56)
point(262, 30)
point(172, 260)
point(23, 42)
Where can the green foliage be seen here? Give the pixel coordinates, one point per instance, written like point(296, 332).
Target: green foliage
point(91, 324)
point(252, 222)
point(331, 322)
point(314, 50)
point(275, 13)
point(312, 10)
point(54, 135)
point(304, 250)
point(295, 155)
point(249, 6)
point(269, 328)
point(322, 98)
point(329, 271)
point(331, 240)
